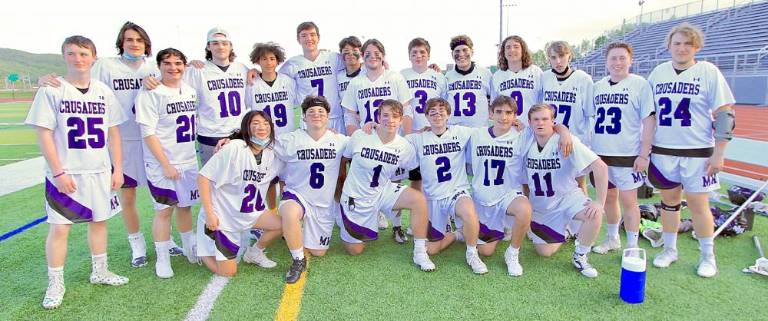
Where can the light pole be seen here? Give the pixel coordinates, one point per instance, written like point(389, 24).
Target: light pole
point(501, 18)
point(640, 18)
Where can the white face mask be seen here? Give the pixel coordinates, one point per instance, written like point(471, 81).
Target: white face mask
point(260, 142)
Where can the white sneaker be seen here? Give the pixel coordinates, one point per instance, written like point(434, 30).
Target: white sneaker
point(163, 265)
point(383, 224)
point(190, 251)
point(707, 266)
point(513, 263)
point(422, 260)
point(581, 263)
point(477, 265)
point(665, 258)
point(256, 256)
point(54, 295)
point(608, 245)
point(106, 277)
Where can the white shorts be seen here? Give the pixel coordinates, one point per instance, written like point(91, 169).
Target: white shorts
point(133, 164)
point(92, 201)
point(224, 245)
point(492, 217)
point(623, 178)
point(550, 227)
point(358, 223)
point(338, 125)
point(167, 192)
point(440, 213)
point(318, 221)
point(667, 172)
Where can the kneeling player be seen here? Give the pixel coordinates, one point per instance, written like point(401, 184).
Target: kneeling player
point(166, 116)
point(496, 191)
point(233, 187)
point(556, 197)
point(75, 124)
point(368, 188)
point(312, 159)
point(442, 159)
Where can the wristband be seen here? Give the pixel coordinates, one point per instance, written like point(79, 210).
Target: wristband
point(59, 174)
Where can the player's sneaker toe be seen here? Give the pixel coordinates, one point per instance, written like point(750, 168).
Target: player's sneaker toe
point(707, 266)
point(513, 263)
point(665, 258)
point(383, 224)
point(581, 263)
point(258, 257)
point(477, 265)
point(294, 272)
point(54, 295)
point(139, 262)
point(175, 251)
point(423, 262)
point(398, 235)
point(608, 245)
point(108, 278)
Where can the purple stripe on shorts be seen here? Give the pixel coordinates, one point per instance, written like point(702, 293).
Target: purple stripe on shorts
point(129, 182)
point(224, 245)
point(592, 181)
point(65, 205)
point(290, 196)
point(358, 232)
point(658, 180)
point(163, 195)
point(433, 235)
point(546, 233)
point(488, 235)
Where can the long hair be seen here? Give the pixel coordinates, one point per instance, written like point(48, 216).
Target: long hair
point(245, 128)
point(527, 60)
point(142, 33)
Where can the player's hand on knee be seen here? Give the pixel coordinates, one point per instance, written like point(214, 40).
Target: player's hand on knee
point(212, 221)
point(593, 210)
point(170, 172)
point(198, 64)
point(715, 163)
point(49, 80)
point(251, 77)
point(641, 164)
point(150, 83)
point(117, 180)
point(369, 127)
point(220, 145)
point(65, 184)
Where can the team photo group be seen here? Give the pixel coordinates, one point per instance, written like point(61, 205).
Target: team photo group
point(487, 159)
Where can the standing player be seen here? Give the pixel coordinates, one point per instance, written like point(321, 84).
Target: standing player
point(468, 86)
point(623, 104)
point(233, 187)
point(368, 189)
point(695, 122)
point(424, 82)
point(555, 197)
point(365, 94)
point(315, 72)
point(517, 76)
point(441, 152)
point(272, 92)
point(349, 48)
point(167, 117)
point(75, 125)
point(312, 159)
point(496, 153)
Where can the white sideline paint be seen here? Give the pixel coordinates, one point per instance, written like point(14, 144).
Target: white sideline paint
point(20, 175)
point(205, 301)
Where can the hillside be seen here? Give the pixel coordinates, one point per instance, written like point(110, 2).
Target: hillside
point(22, 62)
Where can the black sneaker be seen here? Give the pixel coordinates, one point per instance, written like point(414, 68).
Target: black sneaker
point(175, 251)
point(139, 262)
point(398, 235)
point(294, 272)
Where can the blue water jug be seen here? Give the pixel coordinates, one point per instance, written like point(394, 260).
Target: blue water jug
point(632, 287)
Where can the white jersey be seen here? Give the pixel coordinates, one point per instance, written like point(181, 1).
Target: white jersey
point(524, 86)
point(442, 160)
point(278, 101)
point(343, 79)
point(311, 166)
point(317, 77)
point(222, 97)
point(550, 177)
point(571, 98)
point(240, 184)
point(618, 112)
point(424, 86)
point(126, 83)
point(468, 95)
point(170, 115)
point(685, 102)
point(497, 163)
point(80, 124)
point(373, 164)
point(364, 95)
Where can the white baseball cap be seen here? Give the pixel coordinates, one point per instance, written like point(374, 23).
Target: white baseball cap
point(217, 34)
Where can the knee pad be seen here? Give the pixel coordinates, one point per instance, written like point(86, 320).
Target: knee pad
point(671, 208)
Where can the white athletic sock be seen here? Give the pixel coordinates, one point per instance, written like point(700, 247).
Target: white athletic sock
point(297, 254)
point(419, 245)
point(513, 250)
point(471, 249)
point(612, 230)
point(138, 245)
point(582, 249)
point(56, 272)
point(632, 238)
point(99, 263)
point(670, 240)
point(459, 236)
point(397, 220)
point(707, 245)
point(162, 246)
point(187, 239)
